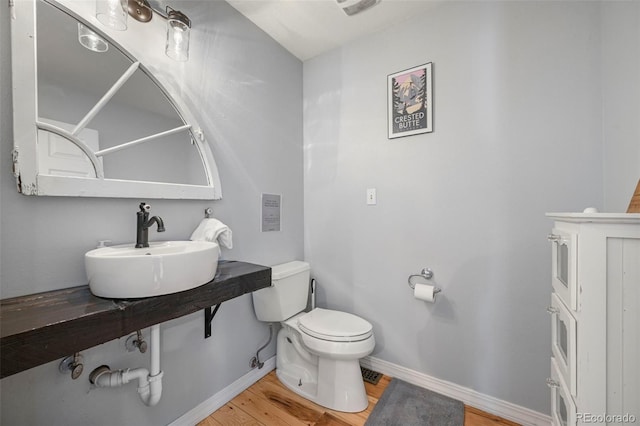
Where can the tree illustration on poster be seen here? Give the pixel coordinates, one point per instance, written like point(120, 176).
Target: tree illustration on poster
point(410, 108)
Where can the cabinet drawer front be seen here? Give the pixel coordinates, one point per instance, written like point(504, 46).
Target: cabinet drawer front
point(563, 408)
point(564, 266)
point(564, 342)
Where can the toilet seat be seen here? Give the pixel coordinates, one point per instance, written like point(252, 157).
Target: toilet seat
point(334, 326)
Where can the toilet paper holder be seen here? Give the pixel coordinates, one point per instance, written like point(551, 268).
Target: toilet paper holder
point(426, 274)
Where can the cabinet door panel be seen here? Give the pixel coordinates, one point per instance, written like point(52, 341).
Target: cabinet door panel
point(564, 266)
point(564, 342)
point(563, 408)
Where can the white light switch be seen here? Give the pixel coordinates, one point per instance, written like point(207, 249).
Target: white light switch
point(372, 198)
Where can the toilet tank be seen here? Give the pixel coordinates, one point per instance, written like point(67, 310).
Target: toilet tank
point(287, 295)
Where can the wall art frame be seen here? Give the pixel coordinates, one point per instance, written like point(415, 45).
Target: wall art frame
point(410, 101)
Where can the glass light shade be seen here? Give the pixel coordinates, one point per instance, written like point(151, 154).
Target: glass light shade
point(112, 13)
point(177, 47)
point(91, 40)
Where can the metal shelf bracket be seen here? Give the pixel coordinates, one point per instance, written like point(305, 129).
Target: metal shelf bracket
point(208, 318)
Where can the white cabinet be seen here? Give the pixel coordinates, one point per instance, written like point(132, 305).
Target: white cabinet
point(595, 309)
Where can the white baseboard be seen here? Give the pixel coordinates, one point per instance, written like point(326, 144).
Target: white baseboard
point(204, 409)
point(468, 396)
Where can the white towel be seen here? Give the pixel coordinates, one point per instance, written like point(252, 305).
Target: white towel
point(213, 230)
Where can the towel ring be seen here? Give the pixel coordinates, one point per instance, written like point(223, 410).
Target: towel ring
point(426, 274)
point(207, 212)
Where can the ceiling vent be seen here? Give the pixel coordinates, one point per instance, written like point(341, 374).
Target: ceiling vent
point(352, 7)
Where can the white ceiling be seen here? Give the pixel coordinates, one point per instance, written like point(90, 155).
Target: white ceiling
point(307, 28)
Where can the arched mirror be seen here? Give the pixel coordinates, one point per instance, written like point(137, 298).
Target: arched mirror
point(90, 119)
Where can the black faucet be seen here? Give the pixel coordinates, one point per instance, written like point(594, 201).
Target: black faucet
point(142, 233)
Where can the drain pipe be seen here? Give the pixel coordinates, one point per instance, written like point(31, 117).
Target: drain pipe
point(149, 382)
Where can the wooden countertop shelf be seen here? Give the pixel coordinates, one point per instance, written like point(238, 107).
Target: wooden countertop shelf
point(43, 327)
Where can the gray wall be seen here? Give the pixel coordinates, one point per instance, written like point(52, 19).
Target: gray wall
point(249, 95)
point(518, 90)
point(620, 102)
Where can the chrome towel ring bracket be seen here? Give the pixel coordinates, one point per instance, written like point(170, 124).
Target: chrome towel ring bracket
point(425, 274)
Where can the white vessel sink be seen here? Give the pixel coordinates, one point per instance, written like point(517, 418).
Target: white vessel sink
point(124, 272)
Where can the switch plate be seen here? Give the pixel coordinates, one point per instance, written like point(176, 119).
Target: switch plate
point(372, 197)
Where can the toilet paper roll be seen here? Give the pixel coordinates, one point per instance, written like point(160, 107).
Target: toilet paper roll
point(425, 292)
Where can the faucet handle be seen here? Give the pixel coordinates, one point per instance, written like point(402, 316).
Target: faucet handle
point(144, 207)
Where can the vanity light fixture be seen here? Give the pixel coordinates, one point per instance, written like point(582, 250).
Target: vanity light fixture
point(178, 27)
point(91, 40)
point(112, 13)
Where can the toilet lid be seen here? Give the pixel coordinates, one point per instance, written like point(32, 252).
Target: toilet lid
point(335, 326)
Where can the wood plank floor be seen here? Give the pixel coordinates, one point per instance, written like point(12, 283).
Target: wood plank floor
point(269, 403)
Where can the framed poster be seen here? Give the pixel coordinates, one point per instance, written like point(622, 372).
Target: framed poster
point(410, 108)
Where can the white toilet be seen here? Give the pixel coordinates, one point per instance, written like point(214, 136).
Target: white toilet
point(318, 352)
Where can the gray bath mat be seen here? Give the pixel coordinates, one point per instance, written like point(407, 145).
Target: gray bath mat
point(403, 404)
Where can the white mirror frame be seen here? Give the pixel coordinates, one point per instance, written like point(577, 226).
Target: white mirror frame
point(26, 121)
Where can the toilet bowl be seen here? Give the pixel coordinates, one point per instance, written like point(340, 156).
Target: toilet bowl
point(318, 352)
